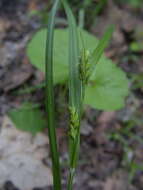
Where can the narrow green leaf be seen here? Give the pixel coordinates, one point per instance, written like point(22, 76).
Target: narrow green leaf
point(74, 81)
point(75, 87)
point(30, 89)
point(99, 50)
point(50, 98)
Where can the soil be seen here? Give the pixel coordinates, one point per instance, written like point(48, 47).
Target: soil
point(106, 163)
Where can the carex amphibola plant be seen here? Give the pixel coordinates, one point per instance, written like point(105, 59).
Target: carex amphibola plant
point(50, 99)
point(81, 65)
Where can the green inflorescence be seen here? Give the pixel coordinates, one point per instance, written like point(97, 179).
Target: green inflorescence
point(74, 122)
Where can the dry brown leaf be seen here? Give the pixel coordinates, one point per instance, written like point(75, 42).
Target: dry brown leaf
point(17, 77)
point(22, 156)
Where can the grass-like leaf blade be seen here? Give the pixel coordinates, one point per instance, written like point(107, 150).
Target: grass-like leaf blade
point(50, 98)
point(75, 86)
point(99, 50)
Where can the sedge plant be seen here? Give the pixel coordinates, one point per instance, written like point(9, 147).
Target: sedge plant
point(50, 99)
point(80, 71)
point(82, 64)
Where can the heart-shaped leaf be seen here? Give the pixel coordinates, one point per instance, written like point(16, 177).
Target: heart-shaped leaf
point(28, 118)
point(108, 86)
point(36, 51)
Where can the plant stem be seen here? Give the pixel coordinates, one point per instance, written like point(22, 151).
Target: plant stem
point(50, 99)
point(70, 179)
point(75, 94)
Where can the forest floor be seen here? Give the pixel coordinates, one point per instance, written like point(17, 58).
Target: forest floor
point(111, 156)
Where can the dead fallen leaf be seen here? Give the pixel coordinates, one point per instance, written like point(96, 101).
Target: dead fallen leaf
point(86, 128)
point(119, 181)
point(106, 117)
point(103, 122)
point(4, 25)
point(21, 158)
point(17, 77)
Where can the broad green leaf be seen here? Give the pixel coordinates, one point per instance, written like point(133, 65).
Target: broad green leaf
point(108, 87)
point(36, 51)
point(109, 84)
point(28, 118)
